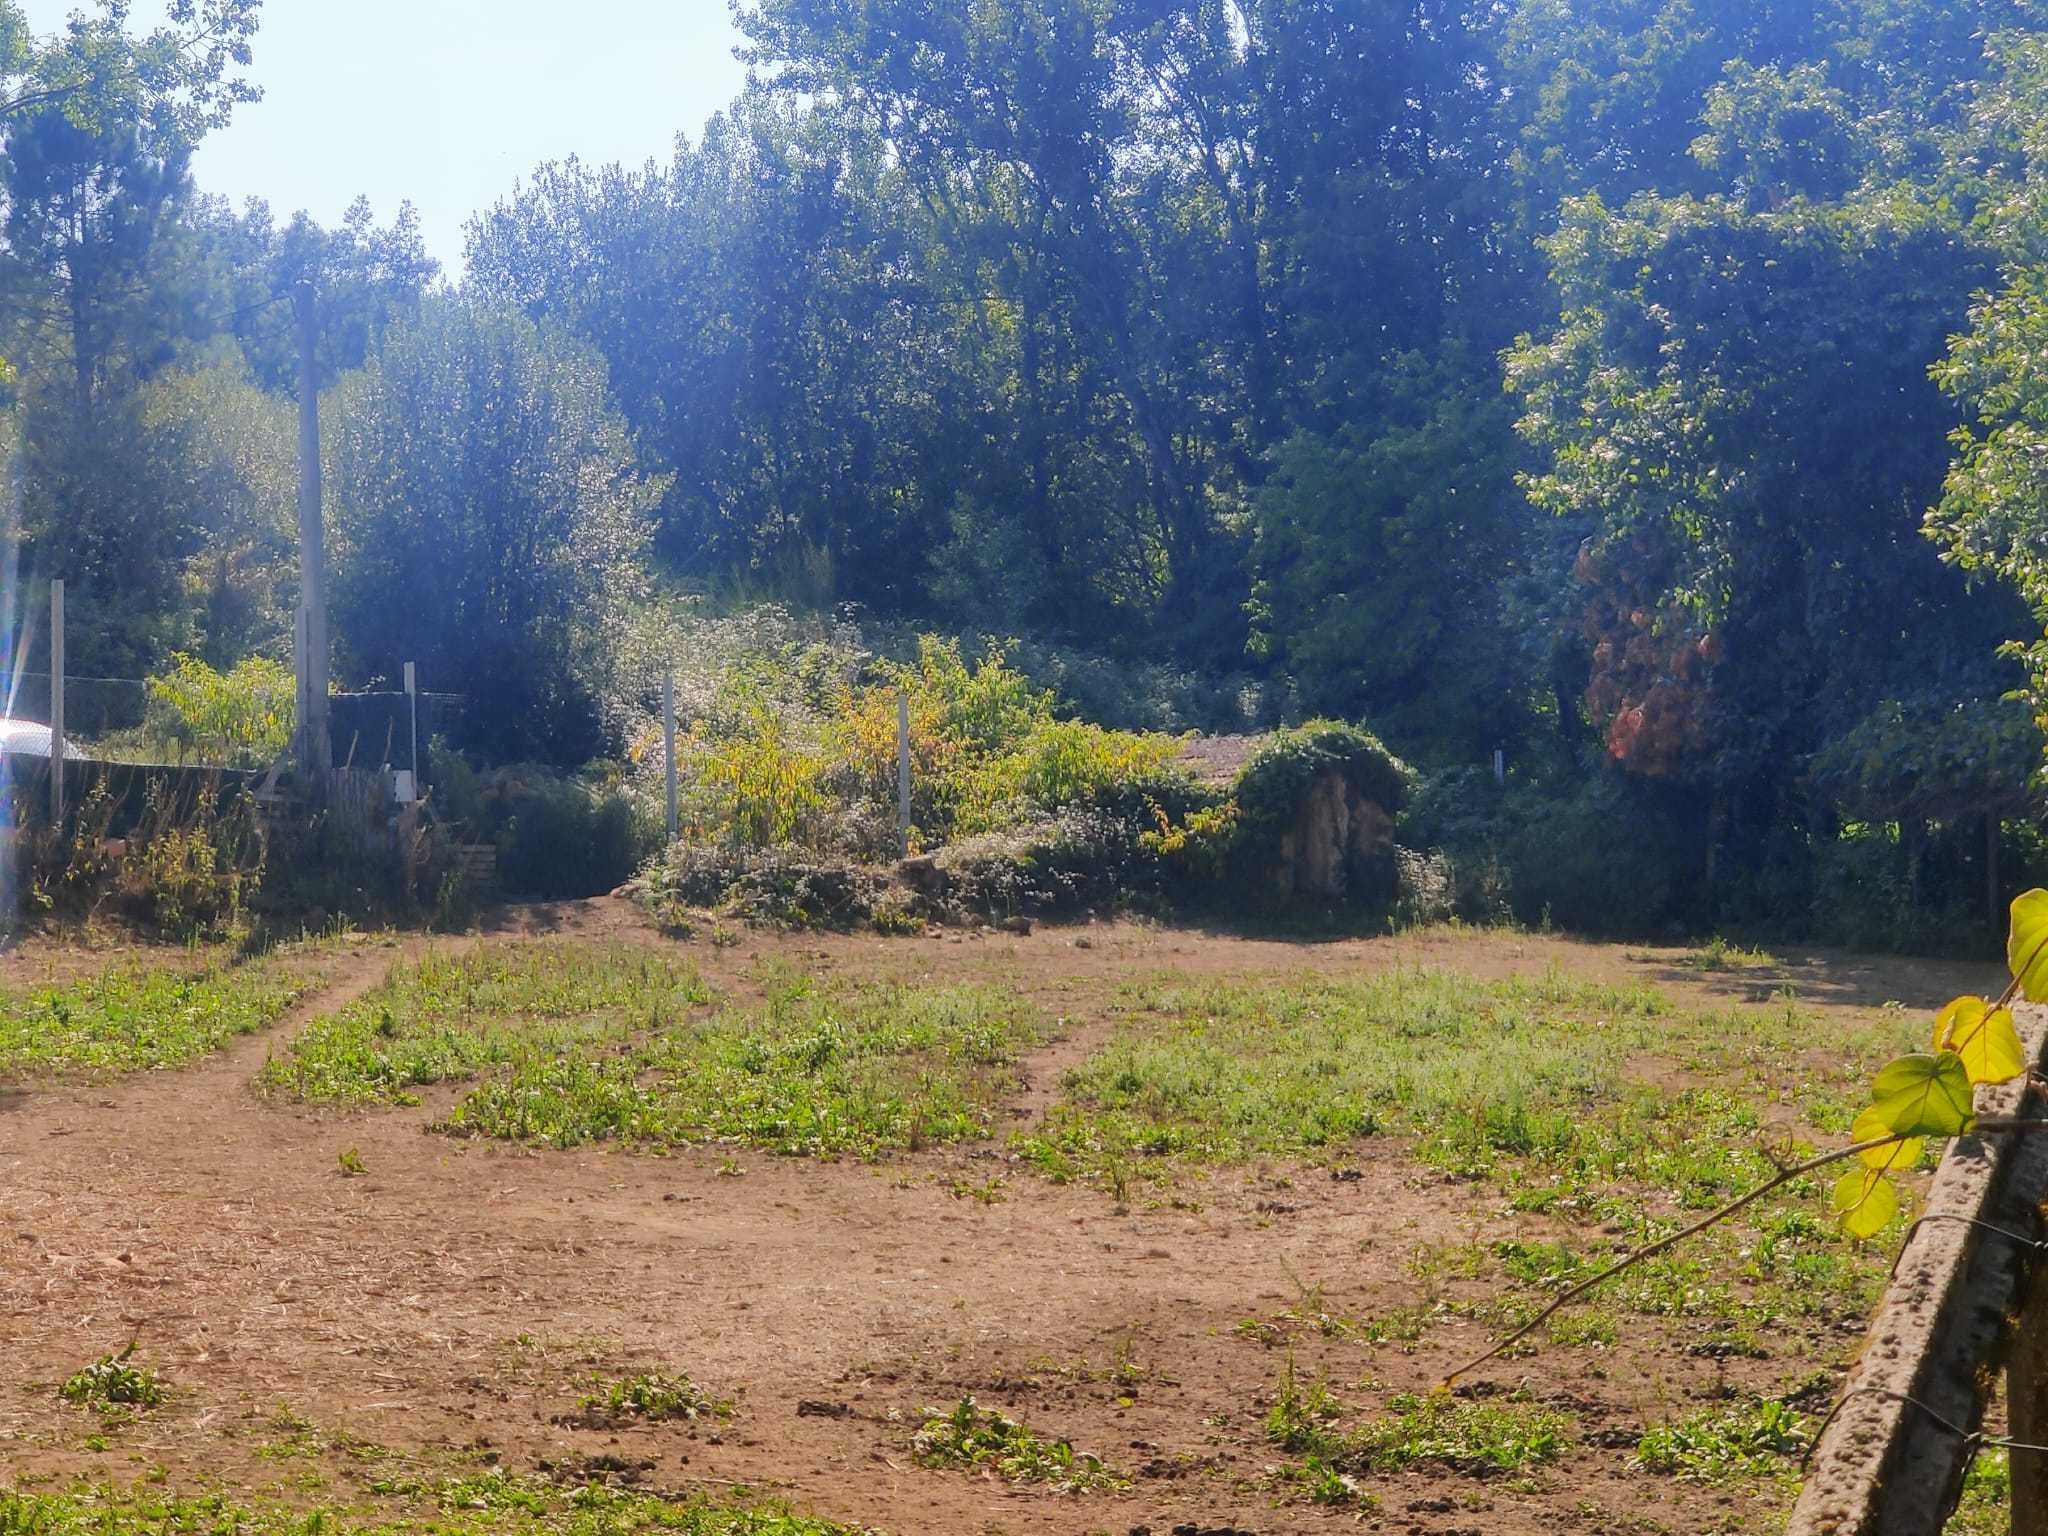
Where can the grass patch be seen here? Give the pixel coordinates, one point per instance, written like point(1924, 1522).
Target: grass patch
point(480, 1506)
point(655, 1397)
point(1726, 1444)
point(1985, 1508)
point(1223, 1072)
point(1480, 1439)
point(973, 1436)
point(451, 1018)
point(1483, 1439)
point(131, 1019)
point(817, 1071)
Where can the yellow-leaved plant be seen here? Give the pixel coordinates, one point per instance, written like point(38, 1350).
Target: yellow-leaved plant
point(1931, 1093)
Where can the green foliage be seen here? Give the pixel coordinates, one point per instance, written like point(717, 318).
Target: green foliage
point(486, 1506)
point(1222, 1073)
point(1757, 1438)
point(130, 1018)
point(1271, 789)
point(449, 1017)
point(492, 514)
point(240, 718)
point(652, 1397)
point(816, 1072)
point(973, 1436)
point(113, 1382)
point(563, 839)
point(1481, 1438)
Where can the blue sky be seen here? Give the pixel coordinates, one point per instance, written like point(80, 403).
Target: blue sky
point(449, 102)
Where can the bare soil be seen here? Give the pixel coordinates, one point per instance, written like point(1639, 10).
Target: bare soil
point(451, 1303)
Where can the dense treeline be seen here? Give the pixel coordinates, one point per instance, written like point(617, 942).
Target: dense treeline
point(1579, 381)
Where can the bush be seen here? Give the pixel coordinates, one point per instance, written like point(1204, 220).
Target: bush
point(787, 886)
point(1274, 783)
point(240, 718)
point(1606, 854)
point(563, 840)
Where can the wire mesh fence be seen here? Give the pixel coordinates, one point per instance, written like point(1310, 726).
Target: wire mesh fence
point(121, 720)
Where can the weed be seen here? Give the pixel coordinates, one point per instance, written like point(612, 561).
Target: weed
point(1985, 1508)
point(350, 1164)
point(1480, 1438)
point(477, 1506)
point(1741, 1440)
point(1717, 954)
point(113, 1382)
point(1303, 1417)
point(988, 1192)
point(648, 1398)
point(972, 1436)
point(1225, 1072)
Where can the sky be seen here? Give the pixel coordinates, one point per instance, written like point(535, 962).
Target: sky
point(447, 103)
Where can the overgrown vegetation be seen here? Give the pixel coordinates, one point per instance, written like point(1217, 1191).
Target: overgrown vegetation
point(818, 1071)
point(450, 1017)
point(1208, 1072)
point(790, 797)
point(570, 1043)
point(1478, 1439)
point(134, 1018)
point(650, 1397)
point(114, 1382)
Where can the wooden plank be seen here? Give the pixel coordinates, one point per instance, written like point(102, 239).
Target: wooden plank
point(1886, 1466)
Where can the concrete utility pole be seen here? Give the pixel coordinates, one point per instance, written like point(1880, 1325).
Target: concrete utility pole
point(316, 752)
point(57, 705)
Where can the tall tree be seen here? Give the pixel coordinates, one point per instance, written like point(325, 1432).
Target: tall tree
point(488, 515)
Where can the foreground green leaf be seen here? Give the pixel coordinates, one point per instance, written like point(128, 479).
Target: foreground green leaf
point(1924, 1095)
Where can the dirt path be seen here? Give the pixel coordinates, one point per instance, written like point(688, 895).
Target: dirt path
point(454, 1300)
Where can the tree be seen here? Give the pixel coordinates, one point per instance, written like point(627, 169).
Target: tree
point(488, 516)
point(1993, 513)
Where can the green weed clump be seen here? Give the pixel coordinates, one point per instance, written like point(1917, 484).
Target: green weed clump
point(650, 1397)
point(114, 1382)
point(1717, 1445)
point(133, 1019)
point(973, 1436)
point(816, 1072)
point(449, 1018)
point(1480, 1439)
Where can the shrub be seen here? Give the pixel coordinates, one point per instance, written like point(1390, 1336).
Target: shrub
point(1273, 784)
point(564, 840)
point(1604, 854)
point(757, 785)
point(243, 717)
point(786, 885)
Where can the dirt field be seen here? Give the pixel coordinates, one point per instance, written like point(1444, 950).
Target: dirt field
point(449, 1304)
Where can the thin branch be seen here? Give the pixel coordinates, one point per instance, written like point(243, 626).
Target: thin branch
point(1840, 1154)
